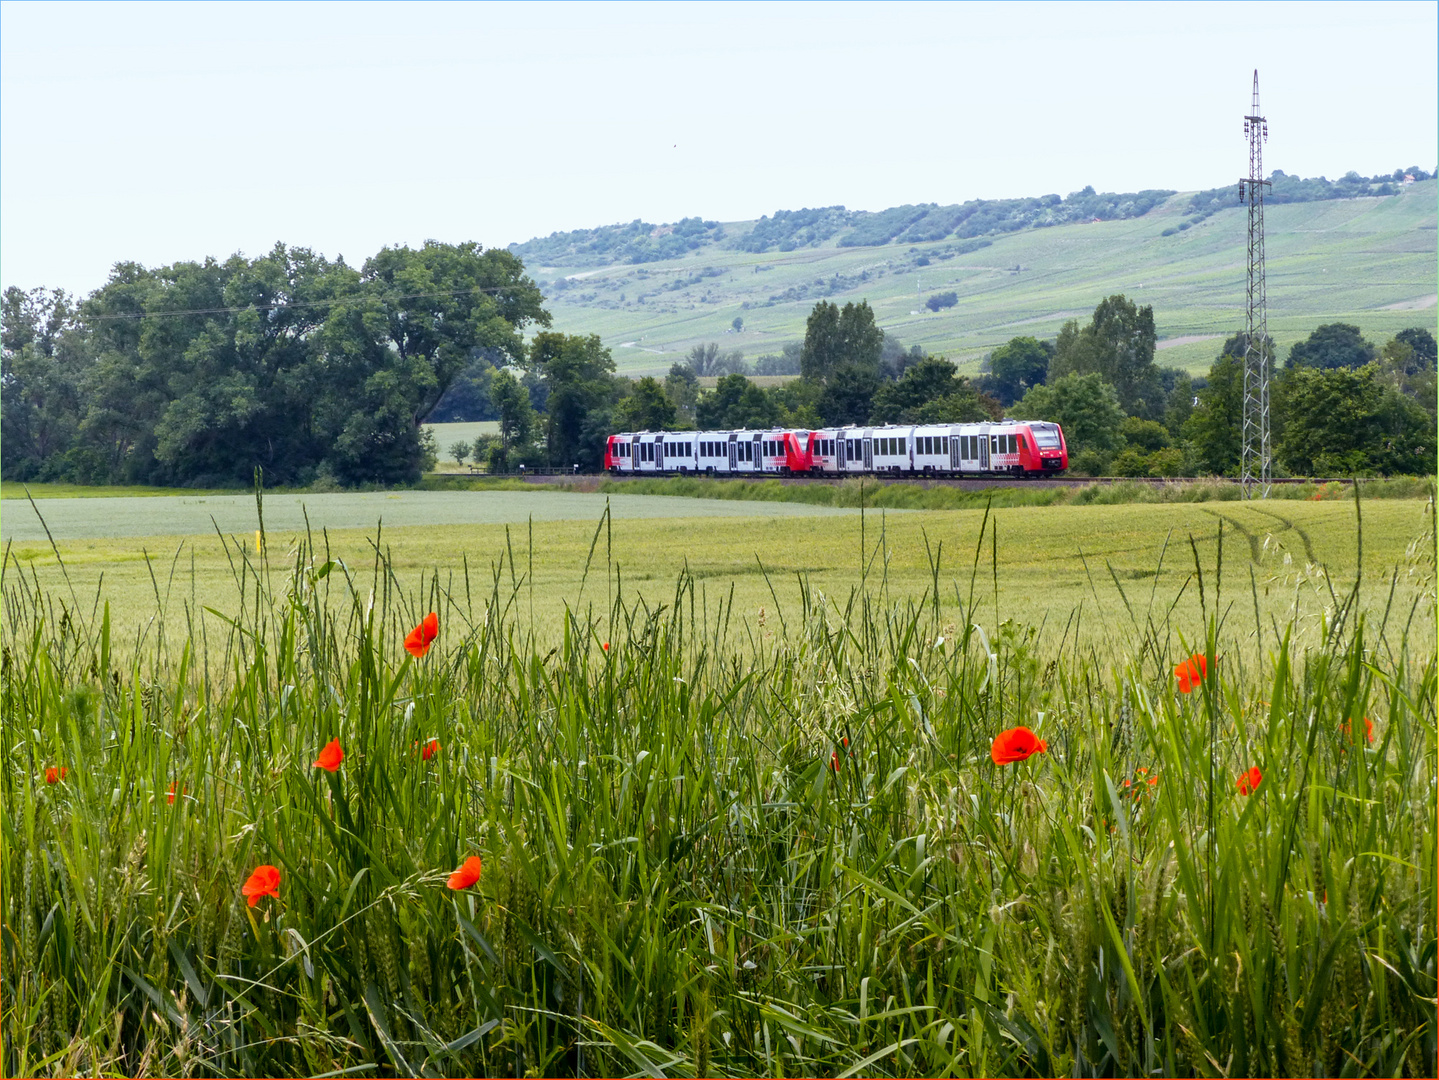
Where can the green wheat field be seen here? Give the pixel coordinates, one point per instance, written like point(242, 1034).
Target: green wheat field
point(732, 787)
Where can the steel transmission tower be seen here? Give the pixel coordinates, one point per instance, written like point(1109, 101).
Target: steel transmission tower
point(1254, 452)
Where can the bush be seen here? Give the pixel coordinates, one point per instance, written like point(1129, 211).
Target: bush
point(1166, 462)
point(1089, 463)
point(1144, 434)
point(942, 300)
point(1130, 462)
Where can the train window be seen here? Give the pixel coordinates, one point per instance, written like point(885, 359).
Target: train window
point(944, 444)
point(1013, 444)
point(1046, 435)
point(1021, 441)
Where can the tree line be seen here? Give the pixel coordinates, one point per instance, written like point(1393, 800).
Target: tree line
point(323, 374)
point(1340, 405)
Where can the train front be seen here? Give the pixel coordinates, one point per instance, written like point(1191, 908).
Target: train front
point(1050, 445)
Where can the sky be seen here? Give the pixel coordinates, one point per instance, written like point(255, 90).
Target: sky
point(157, 133)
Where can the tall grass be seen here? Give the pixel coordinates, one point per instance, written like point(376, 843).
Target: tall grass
point(678, 879)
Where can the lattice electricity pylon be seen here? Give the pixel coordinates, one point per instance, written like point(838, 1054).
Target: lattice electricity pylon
point(1254, 456)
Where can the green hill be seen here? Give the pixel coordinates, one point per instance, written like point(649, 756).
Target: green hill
point(652, 292)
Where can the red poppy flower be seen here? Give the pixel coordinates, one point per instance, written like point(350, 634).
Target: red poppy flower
point(1368, 729)
point(265, 881)
point(330, 757)
point(1191, 673)
point(606, 646)
point(170, 792)
point(54, 775)
point(834, 761)
point(467, 874)
point(1248, 782)
point(428, 750)
point(418, 641)
point(1153, 780)
point(1016, 744)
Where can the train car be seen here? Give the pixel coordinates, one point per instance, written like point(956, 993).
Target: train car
point(1004, 448)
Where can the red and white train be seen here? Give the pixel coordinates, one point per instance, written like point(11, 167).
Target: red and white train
point(1005, 448)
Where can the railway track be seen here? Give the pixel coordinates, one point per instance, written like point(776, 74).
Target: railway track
point(590, 481)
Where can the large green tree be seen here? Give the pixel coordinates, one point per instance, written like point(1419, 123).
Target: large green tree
point(198, 372)
point(39, 380)
point(1421, 341)
point(1213, 426)
point(1085, 406)
point(517, 418)
point(645, 408)
point(1333, 345)
point(1343, 421)
point(579, 373)
point(737, 403)
point(837, 338)
point(930, 391)
point(848, 395)
point(443, 302)
point(1017, 365)
point(1118, 345)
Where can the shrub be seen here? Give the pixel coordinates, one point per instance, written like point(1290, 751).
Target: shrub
point(1166, 462)
point(1089, 463)
point(1130, 462)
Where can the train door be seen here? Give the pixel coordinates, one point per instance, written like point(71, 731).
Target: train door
point(984, 453)
point(868, 454)
point(733, 454)
point(756, 445)
point(954, 448)
point(659, 453)
point(839, 448)
point(632, 459)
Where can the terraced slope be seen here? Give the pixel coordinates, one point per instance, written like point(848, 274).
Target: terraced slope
point(1369, 261)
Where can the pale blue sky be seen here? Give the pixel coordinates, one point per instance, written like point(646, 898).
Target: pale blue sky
point(174, 131)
